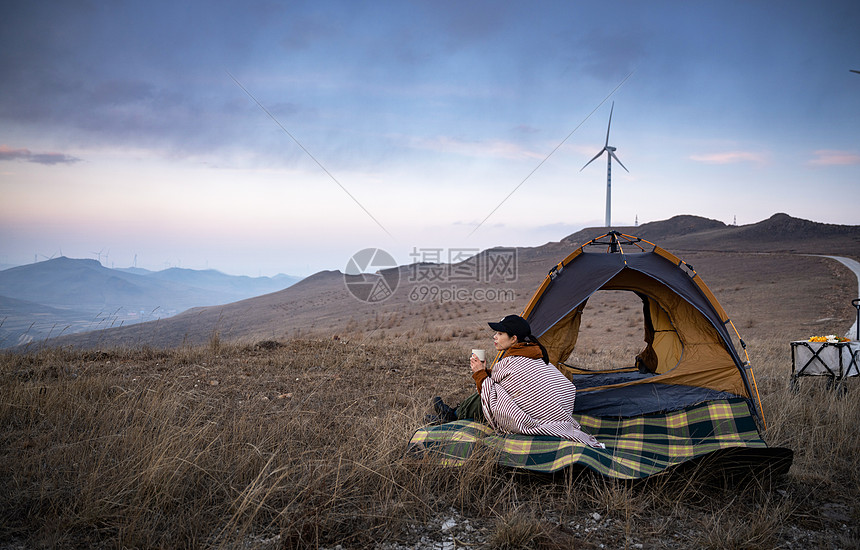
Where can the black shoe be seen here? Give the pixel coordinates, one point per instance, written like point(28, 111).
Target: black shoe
point(446, 413)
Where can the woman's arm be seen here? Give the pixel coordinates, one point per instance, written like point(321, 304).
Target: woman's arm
point(479, 370)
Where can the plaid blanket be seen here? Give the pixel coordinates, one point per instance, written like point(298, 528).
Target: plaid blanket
point(636, 447)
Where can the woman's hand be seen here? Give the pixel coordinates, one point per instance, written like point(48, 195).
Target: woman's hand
point(476, 364)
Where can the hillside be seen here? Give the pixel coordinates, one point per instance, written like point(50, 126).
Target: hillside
point(21, 317)
point(73, 295)
point(767, 288)
point(656, 232)
point(286, 441)
point(779, 233)
point(68, 282)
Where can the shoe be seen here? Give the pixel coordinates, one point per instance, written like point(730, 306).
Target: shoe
point(446, 413)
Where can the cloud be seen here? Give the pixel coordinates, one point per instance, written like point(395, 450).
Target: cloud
point(730, 157)
point(829, 157)
point(490, 148)
point(7, 153)
point(53, 158)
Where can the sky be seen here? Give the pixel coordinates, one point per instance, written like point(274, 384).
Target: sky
point(259, 138)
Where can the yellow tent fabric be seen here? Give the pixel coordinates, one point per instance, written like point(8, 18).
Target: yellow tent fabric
point(689, 356)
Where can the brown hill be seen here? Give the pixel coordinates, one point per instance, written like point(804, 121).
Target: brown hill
point(653, 231)
point(755, 271)
point(779, 233)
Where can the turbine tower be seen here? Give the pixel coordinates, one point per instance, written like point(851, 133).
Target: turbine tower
point(610, 154)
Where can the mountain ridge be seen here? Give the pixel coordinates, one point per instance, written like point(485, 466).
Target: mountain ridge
point(321, 304)
point(688, 232)
point(80, 294)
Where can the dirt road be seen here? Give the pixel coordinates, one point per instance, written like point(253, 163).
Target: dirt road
point(854, 266)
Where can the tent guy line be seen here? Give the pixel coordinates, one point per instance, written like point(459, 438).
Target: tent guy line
point(313, 158)
point(557, 147)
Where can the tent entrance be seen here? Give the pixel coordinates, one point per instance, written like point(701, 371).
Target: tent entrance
point(611, 333)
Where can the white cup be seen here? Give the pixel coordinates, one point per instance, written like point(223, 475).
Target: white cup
point(482, 355)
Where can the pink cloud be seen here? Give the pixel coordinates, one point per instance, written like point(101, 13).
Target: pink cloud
point(828, 157)
point(7, 153)
point(730, 157)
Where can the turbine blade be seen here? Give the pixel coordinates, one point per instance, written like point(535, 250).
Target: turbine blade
point(609, 125)
point(618, 161)
point(593, 159)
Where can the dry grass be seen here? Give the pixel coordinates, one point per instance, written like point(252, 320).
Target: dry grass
point(300, 443)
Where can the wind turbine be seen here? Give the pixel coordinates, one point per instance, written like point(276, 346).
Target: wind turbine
point(101, 253)
point(610, 154)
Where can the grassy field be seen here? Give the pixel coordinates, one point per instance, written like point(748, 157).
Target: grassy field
point(300, 443)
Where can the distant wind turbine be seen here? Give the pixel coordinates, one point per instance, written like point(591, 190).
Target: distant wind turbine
point(101, 253)
point(610, 154)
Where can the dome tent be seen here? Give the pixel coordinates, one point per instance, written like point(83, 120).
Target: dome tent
point(687, 399)
point(689, 356)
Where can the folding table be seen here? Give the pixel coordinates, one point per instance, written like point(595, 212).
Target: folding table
point(837, 360)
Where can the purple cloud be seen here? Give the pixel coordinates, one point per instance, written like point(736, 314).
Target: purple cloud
point(8, 153)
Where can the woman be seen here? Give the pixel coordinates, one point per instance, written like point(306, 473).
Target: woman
point(523, 393)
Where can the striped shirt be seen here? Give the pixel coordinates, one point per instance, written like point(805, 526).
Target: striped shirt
point(528, 396)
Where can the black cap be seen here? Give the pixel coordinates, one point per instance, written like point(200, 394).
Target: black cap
point(513, 325)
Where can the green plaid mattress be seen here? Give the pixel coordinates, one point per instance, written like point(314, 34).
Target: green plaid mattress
point(636, 447)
